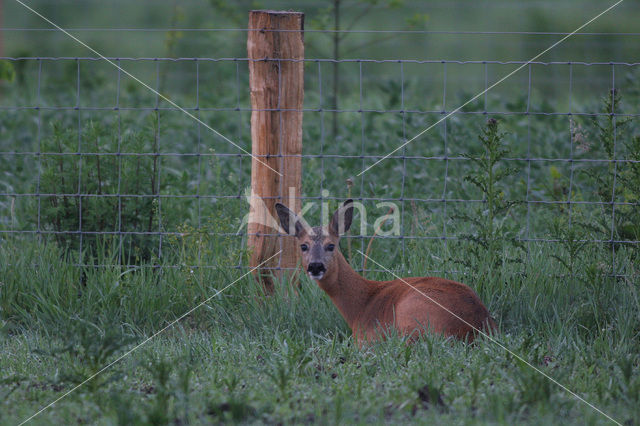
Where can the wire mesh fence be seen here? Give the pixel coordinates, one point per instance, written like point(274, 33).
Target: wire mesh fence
point(91, 160)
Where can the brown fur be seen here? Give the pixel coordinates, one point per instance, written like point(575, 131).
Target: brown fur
point(372, 308)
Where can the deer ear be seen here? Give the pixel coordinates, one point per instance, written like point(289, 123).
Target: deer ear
point(289, 220)
point(342, 218)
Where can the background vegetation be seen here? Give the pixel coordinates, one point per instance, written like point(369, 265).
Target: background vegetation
point(139, 209)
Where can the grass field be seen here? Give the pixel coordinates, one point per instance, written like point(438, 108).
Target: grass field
point(242, 358)
point(109, 233)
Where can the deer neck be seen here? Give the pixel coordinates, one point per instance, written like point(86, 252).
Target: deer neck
point(349, 291)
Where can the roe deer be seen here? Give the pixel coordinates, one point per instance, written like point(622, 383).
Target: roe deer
point(372, 308)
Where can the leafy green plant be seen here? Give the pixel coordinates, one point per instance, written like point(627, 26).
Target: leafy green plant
point(84, 191)
point(489, 220)
point(573, 237)
point(628, 216)
point(170, 388)
point(7, 71)
point(124, 407)
point(160, 369)
point(85, 350)
point(621, 181)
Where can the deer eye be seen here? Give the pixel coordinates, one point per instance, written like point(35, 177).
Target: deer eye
point(330, 247)
point(304, 247)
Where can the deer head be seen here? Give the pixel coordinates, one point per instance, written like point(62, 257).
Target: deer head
point(317, 244)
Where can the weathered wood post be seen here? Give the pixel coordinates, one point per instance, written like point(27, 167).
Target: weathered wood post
point(276, 77)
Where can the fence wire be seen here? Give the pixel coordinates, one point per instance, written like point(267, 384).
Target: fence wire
point(191, 172)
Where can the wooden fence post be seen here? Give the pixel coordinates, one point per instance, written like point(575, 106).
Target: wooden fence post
point(277, 90)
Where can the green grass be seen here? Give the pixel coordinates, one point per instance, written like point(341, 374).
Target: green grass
point(291, 359)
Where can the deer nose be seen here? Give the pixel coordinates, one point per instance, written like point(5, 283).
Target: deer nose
point(316, 268)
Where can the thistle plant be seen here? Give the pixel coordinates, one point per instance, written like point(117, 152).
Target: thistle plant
point(488, 174)
point(621, 180)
